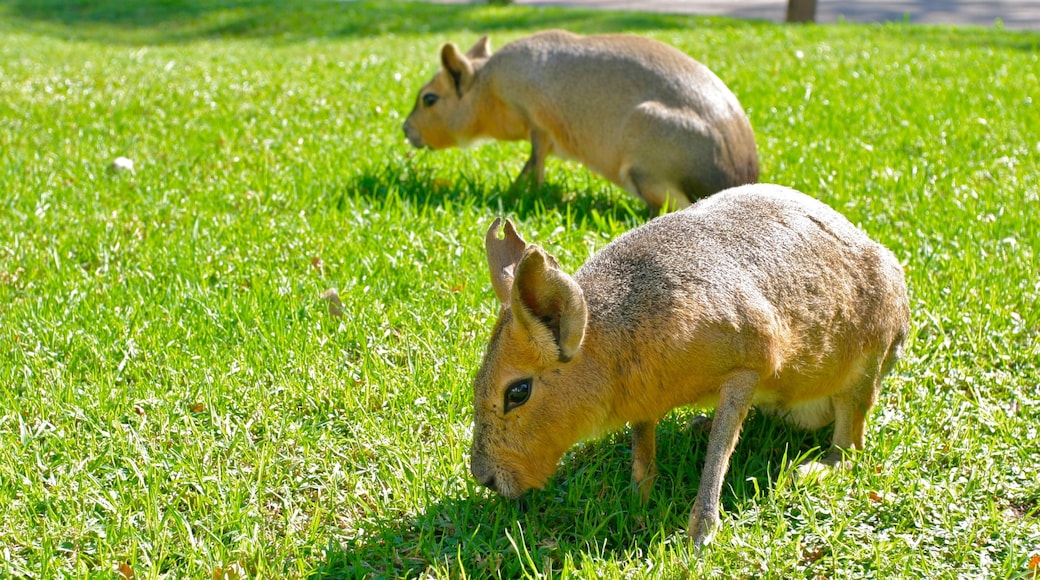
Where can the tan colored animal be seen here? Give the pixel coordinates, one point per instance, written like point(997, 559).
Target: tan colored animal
point(757, 296)
point(641, 113)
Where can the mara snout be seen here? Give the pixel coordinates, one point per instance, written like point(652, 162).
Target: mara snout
point(639, 112)
point(756, 296)
point(413, 135)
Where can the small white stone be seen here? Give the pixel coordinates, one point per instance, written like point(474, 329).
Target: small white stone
point(123, 164)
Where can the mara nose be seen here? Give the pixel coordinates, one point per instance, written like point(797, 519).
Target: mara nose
point(482, 472)
point(413, 135)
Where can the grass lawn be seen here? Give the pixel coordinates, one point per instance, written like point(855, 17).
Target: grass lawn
point(176, 400)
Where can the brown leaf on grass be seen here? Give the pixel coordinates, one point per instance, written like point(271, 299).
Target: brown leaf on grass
point(198, 408)
point(811, 554)
point(335, 305)
point(318, 264)
point(125, 571)
point(232, 571)
point(876, 497)
point(1034, 563)
point(458, 288)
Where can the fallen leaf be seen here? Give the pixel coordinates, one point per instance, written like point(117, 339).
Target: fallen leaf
point(812, 554)
point(198, 408)
point(458, 288)
point(125, 570)
point(1034, 563)
point(317, 263)
point(232, 571)
point(335, 305)
point(875, 497)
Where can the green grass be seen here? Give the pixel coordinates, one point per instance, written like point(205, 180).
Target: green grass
point(176, 401)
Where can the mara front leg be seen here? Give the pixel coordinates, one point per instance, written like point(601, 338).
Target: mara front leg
point(533, 173)
point(644, 462)
point(735, 398)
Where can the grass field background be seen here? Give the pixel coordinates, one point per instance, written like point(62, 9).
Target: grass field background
point(176, 400)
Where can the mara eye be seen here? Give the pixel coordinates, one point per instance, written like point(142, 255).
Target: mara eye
point(517, 394)
point(429, 99)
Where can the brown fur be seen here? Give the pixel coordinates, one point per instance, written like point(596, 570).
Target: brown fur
point(759, 295)
point(641, 113)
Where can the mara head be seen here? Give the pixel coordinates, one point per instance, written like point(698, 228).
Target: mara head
point(530, 398)
point(440, 106)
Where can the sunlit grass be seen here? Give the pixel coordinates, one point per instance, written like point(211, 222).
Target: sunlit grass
point(177, 401)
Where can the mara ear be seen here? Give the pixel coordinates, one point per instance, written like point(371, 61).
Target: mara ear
point(549, 305)
point(458, 66)
point(502, 256)
point(482, 49)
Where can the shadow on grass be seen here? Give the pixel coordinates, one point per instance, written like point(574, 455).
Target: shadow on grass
point(178, 21)
point(171, 21)
point(588, 508)
point(434, 187)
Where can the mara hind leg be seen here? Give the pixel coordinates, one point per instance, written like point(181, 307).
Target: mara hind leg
point(669, 157)
point(679, 173)
point(658, 193)
point(850, 406)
